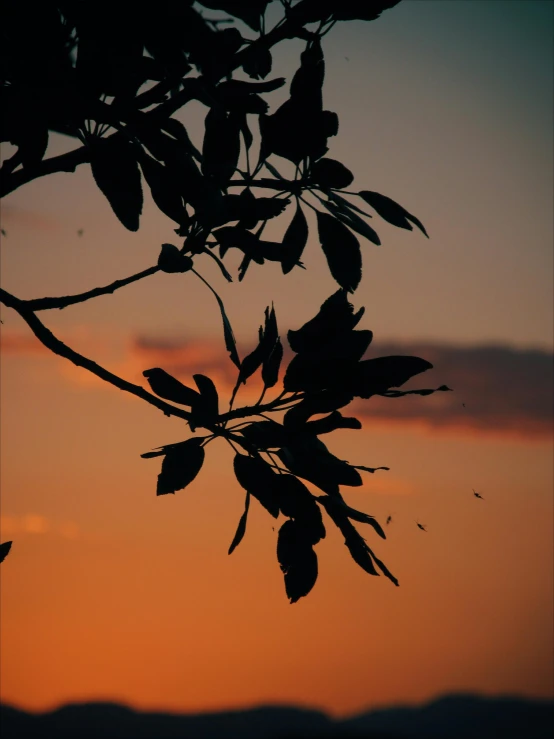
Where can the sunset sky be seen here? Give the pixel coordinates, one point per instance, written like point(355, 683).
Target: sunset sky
point(111, 593)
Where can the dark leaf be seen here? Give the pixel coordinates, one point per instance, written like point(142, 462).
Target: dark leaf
point(375, 376)
point(332, 365)
point(349, 10)
point(180, 466)
point(252, 87)
point(221, 148)
point(344, 205)
point(207, 406)
point(332, 422)
point(422, 391)
point(335, 318)
point(167, 387)
point(179, 132)
point(330, 173)
point(230, 341)
point(249, 11)
point(297, 560)
point(295, 131)
point(241, 528)
point(357, 547)
point(307, 83)
point(245, 130)
point(265, 434)
point(370, 469)
point(270, 368)
point(257, 478)
point(342, 251)
point(4, 549)
point(171, 260)
point(310, 459)
point(230, 237)
point(116, 172)
point(325, 401)
point(296, 501)
point(381, 565)
point(294, 240)
point(391, 211)
point(353, 221)
point(164, 192)
point(163, 450)
point(261, 354)
point(257, 61)
point(365, 518)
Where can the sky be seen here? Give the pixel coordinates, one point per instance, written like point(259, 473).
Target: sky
point(112, 593)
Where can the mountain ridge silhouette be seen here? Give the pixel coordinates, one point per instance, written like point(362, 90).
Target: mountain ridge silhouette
point(460, 716)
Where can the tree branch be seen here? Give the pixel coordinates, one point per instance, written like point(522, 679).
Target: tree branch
point(63, 163)
point(62, 302)
point(46, 337)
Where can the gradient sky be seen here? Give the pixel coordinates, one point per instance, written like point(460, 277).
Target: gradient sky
point(111, 593)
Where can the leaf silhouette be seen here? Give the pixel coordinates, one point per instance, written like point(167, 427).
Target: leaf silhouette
point(365, 518)
point(348, 10)
point(265, 434)
point(221, 147)
point(332, 422)
point(230, 341)
point(206, 407)
point(332, 365)
point(167, 387)
point(249, 12)
point(256, 477)
point(180, 466)
point(172, 260)
point(262, 353)
point(309, 458)
point(359, 551)
point(271, 365)
point(375, 376)
point(328, 173)
point(166, 196)
point(342, 251)
point(4, 549)
point(296, 501)
point(294, 240)
point(241, 528)
point(297, 560)
point(257, 61)
point(325, 401)
point(335, 318)
point(391, 211)
point(116, 172)
point(353, 221)
point(370, 469)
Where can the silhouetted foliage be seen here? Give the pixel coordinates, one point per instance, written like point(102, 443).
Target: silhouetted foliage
point(5, 549)
point(114, 86)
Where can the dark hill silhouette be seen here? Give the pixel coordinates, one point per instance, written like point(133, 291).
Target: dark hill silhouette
point(450, 717)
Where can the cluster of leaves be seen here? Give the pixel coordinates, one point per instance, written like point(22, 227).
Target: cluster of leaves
point(113, 79)
point(275, 458)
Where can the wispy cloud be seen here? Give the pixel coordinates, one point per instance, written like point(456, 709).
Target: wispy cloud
point(34, 524)
point(498, 389)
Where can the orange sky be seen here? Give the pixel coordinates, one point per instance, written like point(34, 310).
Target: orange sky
point(112, 593)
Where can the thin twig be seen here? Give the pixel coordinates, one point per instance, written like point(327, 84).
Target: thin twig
point(37, 304)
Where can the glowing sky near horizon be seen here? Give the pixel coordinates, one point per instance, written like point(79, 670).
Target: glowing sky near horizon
point(112, 593)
